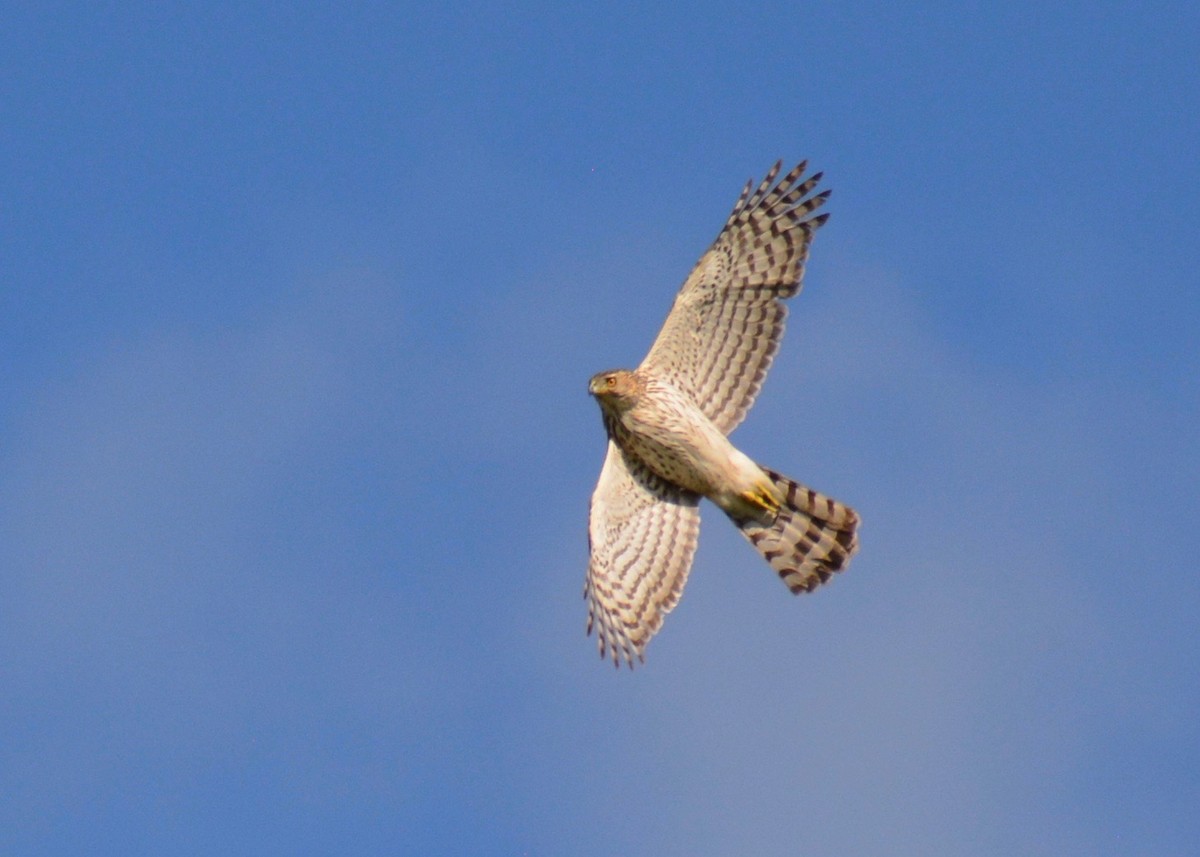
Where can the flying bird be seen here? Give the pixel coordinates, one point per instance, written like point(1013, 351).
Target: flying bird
point(669, 419)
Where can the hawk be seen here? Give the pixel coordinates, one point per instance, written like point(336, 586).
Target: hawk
point(668, 422)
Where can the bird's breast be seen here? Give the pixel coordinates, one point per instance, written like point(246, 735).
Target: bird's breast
point(676, 441)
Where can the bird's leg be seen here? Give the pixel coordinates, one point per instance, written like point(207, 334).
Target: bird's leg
point(763, 496)
point(760, 502)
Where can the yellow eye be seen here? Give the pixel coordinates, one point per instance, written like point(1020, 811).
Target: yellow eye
point(611, 380)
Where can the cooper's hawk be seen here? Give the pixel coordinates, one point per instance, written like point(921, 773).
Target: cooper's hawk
point(667, 423)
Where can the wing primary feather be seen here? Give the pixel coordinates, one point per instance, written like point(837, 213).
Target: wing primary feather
point(764, 187)
point(798, 211)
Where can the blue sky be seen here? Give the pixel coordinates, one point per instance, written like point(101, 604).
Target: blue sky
point(297, 309)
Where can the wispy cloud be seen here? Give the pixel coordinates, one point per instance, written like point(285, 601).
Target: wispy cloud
point(182, 602)
point(327, 557)
point(967, 670)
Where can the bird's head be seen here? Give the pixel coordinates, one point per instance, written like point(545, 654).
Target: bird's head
point(616, 389)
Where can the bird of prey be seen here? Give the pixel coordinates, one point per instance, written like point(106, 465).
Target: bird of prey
point(668, 420)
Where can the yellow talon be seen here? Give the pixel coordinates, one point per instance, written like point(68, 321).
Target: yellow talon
point(763, 496)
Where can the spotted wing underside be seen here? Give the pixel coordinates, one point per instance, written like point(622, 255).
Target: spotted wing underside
point(642, 532)
point(727, 320)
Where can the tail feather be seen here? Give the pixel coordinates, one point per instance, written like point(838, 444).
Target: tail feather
point(811, 538)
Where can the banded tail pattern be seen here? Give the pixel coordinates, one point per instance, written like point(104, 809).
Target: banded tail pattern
point(812, 537)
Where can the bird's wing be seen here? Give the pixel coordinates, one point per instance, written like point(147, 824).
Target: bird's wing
point(642, 533)
point(727, 321)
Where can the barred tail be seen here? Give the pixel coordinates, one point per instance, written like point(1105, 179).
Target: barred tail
point(812, 536)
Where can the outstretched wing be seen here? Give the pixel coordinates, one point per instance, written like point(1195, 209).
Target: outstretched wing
point(642, 534)
point(727, 321)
